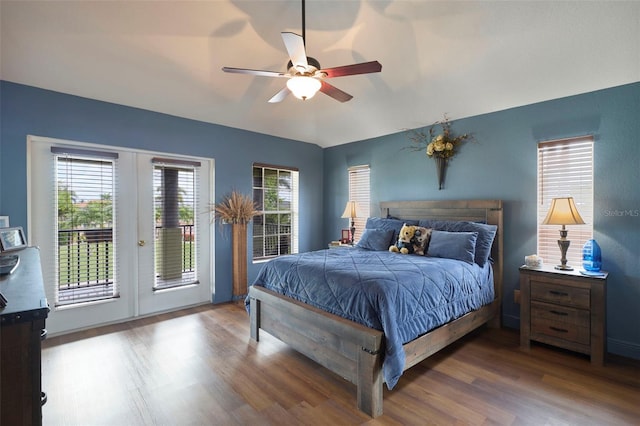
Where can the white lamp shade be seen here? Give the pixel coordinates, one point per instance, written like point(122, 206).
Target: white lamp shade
point(303, 87)
point(563, 211)
point(350, 210)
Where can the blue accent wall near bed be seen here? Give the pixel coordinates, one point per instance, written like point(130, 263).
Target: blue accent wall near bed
point(502, 164)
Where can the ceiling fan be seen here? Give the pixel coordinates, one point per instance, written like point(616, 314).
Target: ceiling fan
point(305, 75)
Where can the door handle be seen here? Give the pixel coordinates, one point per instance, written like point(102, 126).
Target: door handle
point(141, 243)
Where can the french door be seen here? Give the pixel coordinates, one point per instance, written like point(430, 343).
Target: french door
point(122, 233)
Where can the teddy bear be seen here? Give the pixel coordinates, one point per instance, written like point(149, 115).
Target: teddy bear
point(420, 240)
point(404, 244)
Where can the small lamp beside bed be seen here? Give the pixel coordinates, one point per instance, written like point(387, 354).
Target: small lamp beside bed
point(351, 212)
point(563, 212)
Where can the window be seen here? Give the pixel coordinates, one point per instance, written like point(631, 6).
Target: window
point(85, 250)
point(359, 192)
point(275, 194)
point(565, 169)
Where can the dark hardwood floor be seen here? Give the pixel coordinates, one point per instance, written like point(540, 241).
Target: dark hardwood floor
point(199, 367)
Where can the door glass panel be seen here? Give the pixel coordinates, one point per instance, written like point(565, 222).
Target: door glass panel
point(85, 243)
point(175, 237)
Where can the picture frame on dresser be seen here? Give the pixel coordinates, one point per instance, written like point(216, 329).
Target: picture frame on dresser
point(12, 239)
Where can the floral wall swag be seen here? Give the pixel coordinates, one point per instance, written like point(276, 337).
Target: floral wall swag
point(440, 146)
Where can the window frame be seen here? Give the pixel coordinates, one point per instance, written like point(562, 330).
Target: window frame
point(260, 220)
point(565, 169)
point(360, 192)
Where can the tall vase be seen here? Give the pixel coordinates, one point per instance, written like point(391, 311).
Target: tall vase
point(239, 258)
point(441, 166)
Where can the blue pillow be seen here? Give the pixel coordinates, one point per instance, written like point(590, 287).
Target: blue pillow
point(375, 239)
point(486, 234)
point(453, 245)
point(388, 223)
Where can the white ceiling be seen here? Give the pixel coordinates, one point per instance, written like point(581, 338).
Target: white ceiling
point(454, 57)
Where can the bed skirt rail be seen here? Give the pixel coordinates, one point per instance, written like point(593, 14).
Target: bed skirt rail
point(428, 344)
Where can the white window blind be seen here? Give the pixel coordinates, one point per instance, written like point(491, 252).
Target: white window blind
point(85, 265)
point(275, 195)
point(359, 191)
point(175, 204)
point(565, 169)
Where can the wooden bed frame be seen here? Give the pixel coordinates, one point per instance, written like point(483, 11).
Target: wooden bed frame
point(354, 351)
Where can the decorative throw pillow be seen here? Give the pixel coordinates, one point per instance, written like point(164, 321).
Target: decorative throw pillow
point(486, 234)
point(453, 245)
point(420, 240)
point(375, 239)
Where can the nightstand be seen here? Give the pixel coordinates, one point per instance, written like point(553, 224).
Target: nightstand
point(565, 309)
point(333, 246)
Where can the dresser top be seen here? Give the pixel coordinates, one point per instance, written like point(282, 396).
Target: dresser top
point(24, 289)
point(550, 269)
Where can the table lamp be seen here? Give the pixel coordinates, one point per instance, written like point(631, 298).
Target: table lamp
point(563, 212)
point(351, 212)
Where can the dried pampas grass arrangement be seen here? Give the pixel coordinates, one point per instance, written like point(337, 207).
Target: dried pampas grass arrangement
point(235, 208)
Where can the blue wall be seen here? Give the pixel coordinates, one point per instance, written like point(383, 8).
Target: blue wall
point(501, 164)
point(30, 111)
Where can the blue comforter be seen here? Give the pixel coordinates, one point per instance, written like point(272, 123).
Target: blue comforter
point(404, 296)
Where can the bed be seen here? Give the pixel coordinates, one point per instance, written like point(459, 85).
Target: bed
point(363, 354)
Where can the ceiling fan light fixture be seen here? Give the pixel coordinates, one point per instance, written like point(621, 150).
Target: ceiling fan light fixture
point(303, 87)
point(306, 77)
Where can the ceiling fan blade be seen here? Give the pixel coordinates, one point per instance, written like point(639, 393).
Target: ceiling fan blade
point(254, 72)
point(295, 47)
point(334, 92)
point(363, 68)
point(279, 97)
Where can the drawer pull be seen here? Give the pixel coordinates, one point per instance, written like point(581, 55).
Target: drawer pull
point(560, 330)
point(558, 293)
point(564, 314)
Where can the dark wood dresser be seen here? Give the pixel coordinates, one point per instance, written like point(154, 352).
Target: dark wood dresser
point(22, 323)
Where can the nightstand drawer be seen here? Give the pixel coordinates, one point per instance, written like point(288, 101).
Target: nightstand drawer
point(564, 295)
point(565, 331)
point(559, 314)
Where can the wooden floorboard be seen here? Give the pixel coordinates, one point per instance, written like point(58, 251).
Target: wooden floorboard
point(198, 366)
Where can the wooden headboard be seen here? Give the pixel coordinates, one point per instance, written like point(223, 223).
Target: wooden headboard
point(486, 211)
